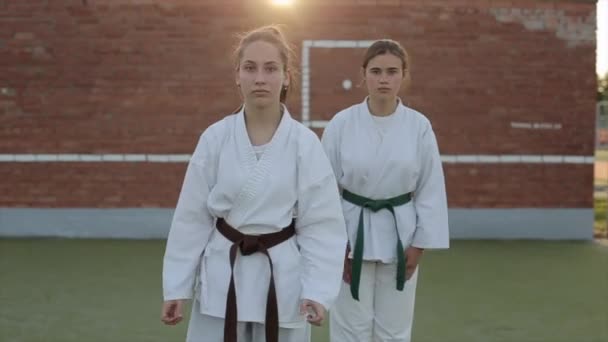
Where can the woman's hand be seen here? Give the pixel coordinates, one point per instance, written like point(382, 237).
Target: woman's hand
point(348, 267)
point(315, 312)
point(413, 255)
point(172, 311)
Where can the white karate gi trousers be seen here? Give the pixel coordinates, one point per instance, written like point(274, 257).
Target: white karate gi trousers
point(205, 328)
point(382, 314)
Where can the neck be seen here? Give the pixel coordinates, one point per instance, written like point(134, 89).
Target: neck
point(262, 122)
point(381, 107)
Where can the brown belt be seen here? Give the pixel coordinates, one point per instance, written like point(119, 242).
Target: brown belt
point(249, 244)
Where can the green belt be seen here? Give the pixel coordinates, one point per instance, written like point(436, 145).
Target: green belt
point(375, 205)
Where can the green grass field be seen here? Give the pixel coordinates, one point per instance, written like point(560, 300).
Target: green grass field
point(600, 197)
point(600, 225)
point(511, 291)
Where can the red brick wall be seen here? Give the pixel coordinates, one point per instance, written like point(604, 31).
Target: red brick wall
point(148, 76)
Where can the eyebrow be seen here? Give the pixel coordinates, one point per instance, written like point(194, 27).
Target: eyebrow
point(266, 63)
point(389, 69)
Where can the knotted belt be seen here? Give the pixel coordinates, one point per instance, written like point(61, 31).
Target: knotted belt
point(250, 244)
point(374, 206)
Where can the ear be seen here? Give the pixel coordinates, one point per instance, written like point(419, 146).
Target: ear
point(363, 73)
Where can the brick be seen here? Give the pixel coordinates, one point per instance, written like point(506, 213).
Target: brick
point(24, 36)
point(124, 77)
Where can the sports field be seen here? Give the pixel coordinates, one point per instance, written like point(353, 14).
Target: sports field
point(478, 291)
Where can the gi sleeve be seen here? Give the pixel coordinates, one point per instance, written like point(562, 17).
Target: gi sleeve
point(320, 227)
point(191, 227)
point(430, 199)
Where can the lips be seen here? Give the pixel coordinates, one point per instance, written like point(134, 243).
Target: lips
point(260, 92)
point(384, 89)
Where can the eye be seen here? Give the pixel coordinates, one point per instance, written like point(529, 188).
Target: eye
point(271, 68)
point(375, 71)
point(392, 71)
point(249, 67)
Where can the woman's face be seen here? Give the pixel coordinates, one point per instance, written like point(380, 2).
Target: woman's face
point(261, 74)
point(383, 76)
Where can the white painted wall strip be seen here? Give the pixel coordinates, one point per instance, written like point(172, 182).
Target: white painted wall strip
point(515, 159)
point(305, 81)
point(184, 158)
point(329, 44)
point(537, 125)
point(98, 158)
point(317, 123)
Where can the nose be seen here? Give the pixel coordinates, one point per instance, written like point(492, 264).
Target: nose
point(259, 78)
